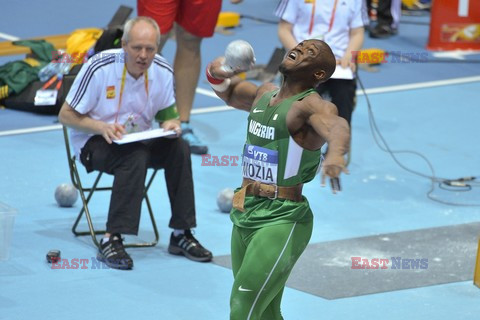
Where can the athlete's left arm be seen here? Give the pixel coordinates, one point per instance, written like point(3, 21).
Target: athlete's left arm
point(335, 131)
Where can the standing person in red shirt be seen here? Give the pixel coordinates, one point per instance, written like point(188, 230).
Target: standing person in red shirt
point(194, 20)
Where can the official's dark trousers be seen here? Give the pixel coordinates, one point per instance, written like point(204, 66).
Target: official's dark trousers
point(386, 9)
point(384, 13)
point(342, 92)
point(128, 163)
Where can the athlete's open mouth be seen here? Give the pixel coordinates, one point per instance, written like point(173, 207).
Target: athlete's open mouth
point(292, 55)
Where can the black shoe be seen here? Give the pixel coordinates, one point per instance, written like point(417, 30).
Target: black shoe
point(113, 254)
point(382, 31)
point(187, 245)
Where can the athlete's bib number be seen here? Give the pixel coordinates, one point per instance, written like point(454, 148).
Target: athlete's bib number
point(260, 164)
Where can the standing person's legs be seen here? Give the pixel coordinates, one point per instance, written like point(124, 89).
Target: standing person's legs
point(396, 11)
point(187, 70)
point(128, 164)
point(262, 260)
point(195, 20)
point(187, 61)
point(343, 94)
point(386, 15)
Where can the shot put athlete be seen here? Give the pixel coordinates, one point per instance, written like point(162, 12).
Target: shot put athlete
point(287, 126)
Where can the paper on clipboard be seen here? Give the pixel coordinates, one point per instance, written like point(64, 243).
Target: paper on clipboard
point(342, 73)
point(144, 135)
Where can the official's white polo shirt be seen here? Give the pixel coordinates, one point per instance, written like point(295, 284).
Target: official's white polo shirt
point(96, 91)
point(348, 15)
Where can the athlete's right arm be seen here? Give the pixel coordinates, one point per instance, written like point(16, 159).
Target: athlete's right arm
point(235, 91)
point(71, 118)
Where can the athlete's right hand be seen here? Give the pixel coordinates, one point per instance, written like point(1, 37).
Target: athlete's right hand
point(218, 71)
point(112, 131)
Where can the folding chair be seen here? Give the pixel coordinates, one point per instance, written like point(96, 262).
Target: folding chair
point(86, 194)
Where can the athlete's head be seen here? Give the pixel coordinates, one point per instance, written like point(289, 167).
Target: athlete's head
point(310, 61)
point(141, 38)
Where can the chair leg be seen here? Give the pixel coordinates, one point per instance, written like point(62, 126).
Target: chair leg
point(92, 232)
point(149, 206)
point(85, 211)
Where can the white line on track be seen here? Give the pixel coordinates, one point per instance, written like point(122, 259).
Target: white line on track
point(31, 130)
point(8, 37)
point(420, 85)
point(210, 93)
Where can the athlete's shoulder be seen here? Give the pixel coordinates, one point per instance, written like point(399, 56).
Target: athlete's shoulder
point(262, 90)
point(266, 87)
point(314, 103)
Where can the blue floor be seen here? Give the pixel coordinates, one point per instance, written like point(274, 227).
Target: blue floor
point(438, 120)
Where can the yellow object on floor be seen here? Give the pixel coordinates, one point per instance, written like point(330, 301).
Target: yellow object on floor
point(228, 19)
point(79, 42)
point(408, 3)
point(372, 56)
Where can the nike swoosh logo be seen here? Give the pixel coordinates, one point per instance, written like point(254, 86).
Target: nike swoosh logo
point(257, 111)
point(243, 289)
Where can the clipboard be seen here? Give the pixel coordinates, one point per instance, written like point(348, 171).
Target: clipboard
point(343, 73)
point(145, 135)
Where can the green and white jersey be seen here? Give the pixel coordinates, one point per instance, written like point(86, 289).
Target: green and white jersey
point(271, 156)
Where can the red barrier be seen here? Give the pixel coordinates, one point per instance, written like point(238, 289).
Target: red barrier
point(455, 25)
